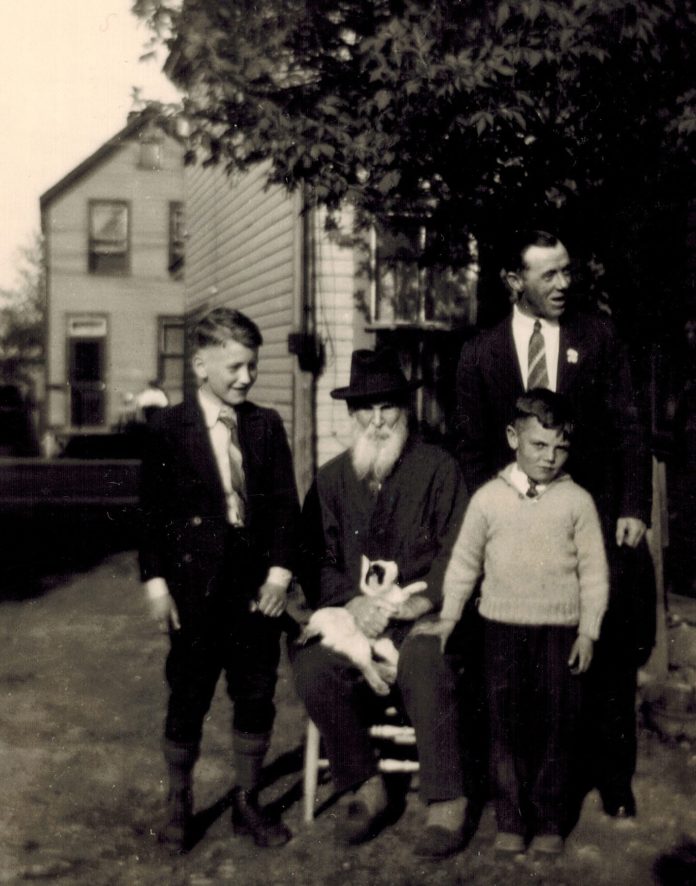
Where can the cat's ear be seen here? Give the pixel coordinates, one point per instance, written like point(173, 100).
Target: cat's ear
point(364, 568)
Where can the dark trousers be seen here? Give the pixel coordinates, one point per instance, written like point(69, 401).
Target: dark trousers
point(625, 643)
point(343, 707)
point(247, 649)
point(534, 706)
point(220, 635)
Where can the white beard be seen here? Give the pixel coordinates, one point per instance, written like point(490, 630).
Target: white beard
point(375, 452)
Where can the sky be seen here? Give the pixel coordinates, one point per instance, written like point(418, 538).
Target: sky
point(67, 71)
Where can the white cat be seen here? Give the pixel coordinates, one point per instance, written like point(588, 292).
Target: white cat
point(339, 632)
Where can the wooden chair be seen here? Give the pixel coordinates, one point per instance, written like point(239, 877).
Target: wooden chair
point(393, 733)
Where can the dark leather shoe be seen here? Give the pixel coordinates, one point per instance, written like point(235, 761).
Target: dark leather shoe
point(439, 842)
point(249, 818)
point(623, 806)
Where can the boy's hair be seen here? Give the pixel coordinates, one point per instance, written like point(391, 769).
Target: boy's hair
point(221, 325)
point(551, 410)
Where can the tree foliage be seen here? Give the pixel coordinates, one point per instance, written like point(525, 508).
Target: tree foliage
point(22, 312)
point(472, 114)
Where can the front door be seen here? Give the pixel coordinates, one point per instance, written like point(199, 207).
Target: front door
point(87, 388)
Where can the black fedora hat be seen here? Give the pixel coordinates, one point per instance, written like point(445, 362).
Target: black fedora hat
point(375, 375)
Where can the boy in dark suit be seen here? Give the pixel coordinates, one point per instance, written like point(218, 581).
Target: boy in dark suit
point(219, 508)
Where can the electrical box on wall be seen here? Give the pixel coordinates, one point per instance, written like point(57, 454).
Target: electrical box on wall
point(308, 349)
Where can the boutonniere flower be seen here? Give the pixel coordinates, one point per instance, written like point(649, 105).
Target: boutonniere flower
point(572, 355)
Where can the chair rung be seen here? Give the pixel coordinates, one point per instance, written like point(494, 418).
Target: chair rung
point(398, 766)
point(399, 734)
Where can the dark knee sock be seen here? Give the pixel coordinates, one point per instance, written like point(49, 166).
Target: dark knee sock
point(249, 753)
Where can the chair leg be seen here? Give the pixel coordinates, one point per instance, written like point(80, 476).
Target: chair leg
point(311, 771)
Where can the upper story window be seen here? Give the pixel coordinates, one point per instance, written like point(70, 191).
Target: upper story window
point(403, 292)
point(109, 237)
point(150, 154)
point(177, 236)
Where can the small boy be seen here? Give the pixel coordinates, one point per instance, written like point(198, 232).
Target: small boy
point(219, 508)
point(535, 537)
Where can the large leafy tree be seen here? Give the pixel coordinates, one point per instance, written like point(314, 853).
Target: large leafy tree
point(470, 114)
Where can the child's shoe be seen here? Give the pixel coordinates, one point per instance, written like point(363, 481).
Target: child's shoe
point(546, 845)
point(507, 843)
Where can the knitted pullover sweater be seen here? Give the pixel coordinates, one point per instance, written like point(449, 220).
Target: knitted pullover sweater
point(542, 559)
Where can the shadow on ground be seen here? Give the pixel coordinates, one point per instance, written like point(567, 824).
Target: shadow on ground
point(44, 546)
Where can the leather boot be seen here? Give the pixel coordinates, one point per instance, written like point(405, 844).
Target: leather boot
point(180, 758)
point(249, 818)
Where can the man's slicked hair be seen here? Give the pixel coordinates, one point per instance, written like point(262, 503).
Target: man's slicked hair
point(552, 410)
point(224, 324)
point(519, 242)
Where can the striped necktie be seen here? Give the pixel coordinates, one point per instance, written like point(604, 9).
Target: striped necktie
point(228, 418)
point(537, 376)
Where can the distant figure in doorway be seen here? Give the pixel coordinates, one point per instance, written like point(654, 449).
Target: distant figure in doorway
point(149, 400)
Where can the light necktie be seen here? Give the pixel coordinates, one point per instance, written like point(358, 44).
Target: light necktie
point(537, 375)
point(228, 418)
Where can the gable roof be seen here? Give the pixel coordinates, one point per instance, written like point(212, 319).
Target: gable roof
point(137, 122)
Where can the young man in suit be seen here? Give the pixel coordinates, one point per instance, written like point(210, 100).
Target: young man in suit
point(219, 509)
point(545, 343)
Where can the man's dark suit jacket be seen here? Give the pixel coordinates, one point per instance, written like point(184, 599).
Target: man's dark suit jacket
point(184, 512)
point(610, 453)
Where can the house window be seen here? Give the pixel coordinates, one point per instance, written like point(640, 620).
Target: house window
point(171, 353)
point(150, 155)
point(109, 230)
point(176, 239)
point(406, 293)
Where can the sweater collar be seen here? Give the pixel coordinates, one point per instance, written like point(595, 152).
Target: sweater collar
point(515, 477)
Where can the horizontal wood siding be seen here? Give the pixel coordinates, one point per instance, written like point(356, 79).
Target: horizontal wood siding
point(241, 252)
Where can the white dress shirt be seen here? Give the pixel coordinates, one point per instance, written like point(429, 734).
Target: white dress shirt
point(520, 481)
point(522, 328)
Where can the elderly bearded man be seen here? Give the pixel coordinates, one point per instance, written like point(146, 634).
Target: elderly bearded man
point(388, 497)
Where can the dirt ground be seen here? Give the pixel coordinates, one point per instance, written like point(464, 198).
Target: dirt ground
point(82, 778)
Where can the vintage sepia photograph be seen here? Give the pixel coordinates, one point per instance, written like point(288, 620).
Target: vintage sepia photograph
point(348, 442)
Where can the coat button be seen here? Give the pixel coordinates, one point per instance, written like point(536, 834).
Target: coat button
point(187, 558)
point(196, 521)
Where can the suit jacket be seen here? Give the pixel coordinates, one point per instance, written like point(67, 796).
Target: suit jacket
point(184, 512)
point(610, 453)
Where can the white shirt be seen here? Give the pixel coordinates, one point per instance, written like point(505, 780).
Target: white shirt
point(520, 481)
point(522, 328)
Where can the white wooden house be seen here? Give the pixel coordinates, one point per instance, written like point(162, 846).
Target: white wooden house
point(253, 248)
point(113, 230)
